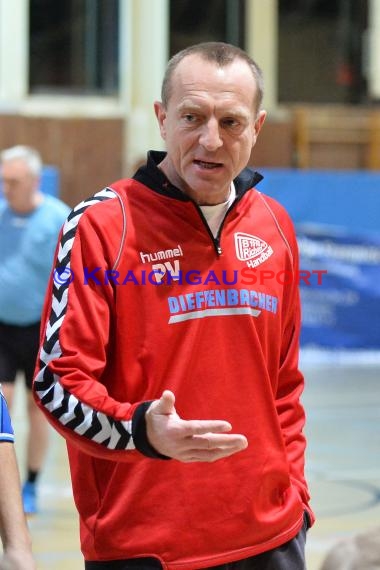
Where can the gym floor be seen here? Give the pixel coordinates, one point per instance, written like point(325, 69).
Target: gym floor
point(342, 401)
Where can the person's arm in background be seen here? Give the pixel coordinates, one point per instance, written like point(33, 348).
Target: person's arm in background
point(14, 533)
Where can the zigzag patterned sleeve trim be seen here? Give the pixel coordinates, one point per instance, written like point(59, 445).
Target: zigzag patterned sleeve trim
point(63, 406)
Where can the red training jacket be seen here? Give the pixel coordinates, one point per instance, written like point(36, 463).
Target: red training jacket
point(143, 299)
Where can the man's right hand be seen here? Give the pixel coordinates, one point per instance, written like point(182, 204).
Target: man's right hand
point(189, 440)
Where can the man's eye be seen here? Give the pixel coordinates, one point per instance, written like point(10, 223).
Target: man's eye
point(189, 118)
point(229, 122)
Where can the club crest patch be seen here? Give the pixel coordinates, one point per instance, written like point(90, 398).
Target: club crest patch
point(251, 249)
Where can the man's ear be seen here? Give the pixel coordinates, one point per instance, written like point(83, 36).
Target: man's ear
point(260, 121)
point(161, 116)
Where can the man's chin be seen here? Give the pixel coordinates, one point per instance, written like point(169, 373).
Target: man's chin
point(206, 193)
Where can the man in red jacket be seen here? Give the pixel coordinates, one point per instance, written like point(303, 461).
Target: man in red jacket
point(170, 355)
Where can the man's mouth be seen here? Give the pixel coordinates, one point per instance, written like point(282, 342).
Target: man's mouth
point(207, 164)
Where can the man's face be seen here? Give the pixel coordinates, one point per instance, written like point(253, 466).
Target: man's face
point(19, 185)
point(209, 126)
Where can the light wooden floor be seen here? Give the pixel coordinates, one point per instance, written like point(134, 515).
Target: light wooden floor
point(343, 469)
point(343, 408)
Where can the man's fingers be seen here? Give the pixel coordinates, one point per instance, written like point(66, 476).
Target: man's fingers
point(200, 427)
point(207, 456)
point(166, 404)
point(212, 441)
point(211, 447)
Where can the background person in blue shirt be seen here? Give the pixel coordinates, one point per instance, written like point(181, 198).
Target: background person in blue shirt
point(14, 533)
point(29, 225)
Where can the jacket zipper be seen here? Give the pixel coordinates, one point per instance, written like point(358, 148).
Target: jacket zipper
point(216, 240)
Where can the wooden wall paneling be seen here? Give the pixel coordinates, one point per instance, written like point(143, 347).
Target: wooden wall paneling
point(87, 151)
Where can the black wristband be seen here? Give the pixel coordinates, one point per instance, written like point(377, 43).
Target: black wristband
point(139, 434)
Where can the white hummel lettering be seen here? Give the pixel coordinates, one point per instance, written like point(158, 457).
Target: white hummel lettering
point(161, 254)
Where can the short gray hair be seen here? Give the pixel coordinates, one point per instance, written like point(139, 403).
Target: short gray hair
point(29, 155)
point(220, 53)
point(360, 552)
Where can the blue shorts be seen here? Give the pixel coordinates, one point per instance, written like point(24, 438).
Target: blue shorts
point(6, 429)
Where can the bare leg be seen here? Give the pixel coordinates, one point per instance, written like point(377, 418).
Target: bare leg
point(36, 448)
point(8, 389)
point(38, 436)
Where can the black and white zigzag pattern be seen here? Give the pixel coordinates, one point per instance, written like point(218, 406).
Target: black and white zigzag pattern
point(71, 412)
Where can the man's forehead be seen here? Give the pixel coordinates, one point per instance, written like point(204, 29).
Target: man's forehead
point(196, 72)
point(15, 168)
point(16, 163)
point(192, 81)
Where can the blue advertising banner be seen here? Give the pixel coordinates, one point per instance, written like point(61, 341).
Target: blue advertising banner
point(349, 199)
point(341, 304)
point(342, 236)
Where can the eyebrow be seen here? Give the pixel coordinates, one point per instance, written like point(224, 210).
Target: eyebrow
point(191, 106)
point(10, 180)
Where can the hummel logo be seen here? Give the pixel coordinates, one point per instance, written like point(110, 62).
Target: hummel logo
point(162, 254)
point(250, 247)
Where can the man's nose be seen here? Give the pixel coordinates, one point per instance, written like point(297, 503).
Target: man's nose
point(210, 137)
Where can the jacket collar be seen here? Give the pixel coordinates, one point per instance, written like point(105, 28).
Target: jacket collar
point(150, 175)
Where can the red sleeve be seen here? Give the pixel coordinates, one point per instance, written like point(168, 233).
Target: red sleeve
point(75, 335)
point(290, 387)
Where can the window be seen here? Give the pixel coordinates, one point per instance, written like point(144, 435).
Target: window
point(194, 21)
point(74, 46)
point(321, 54)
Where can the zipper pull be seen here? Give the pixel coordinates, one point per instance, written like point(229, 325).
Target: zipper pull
point(219, 249)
